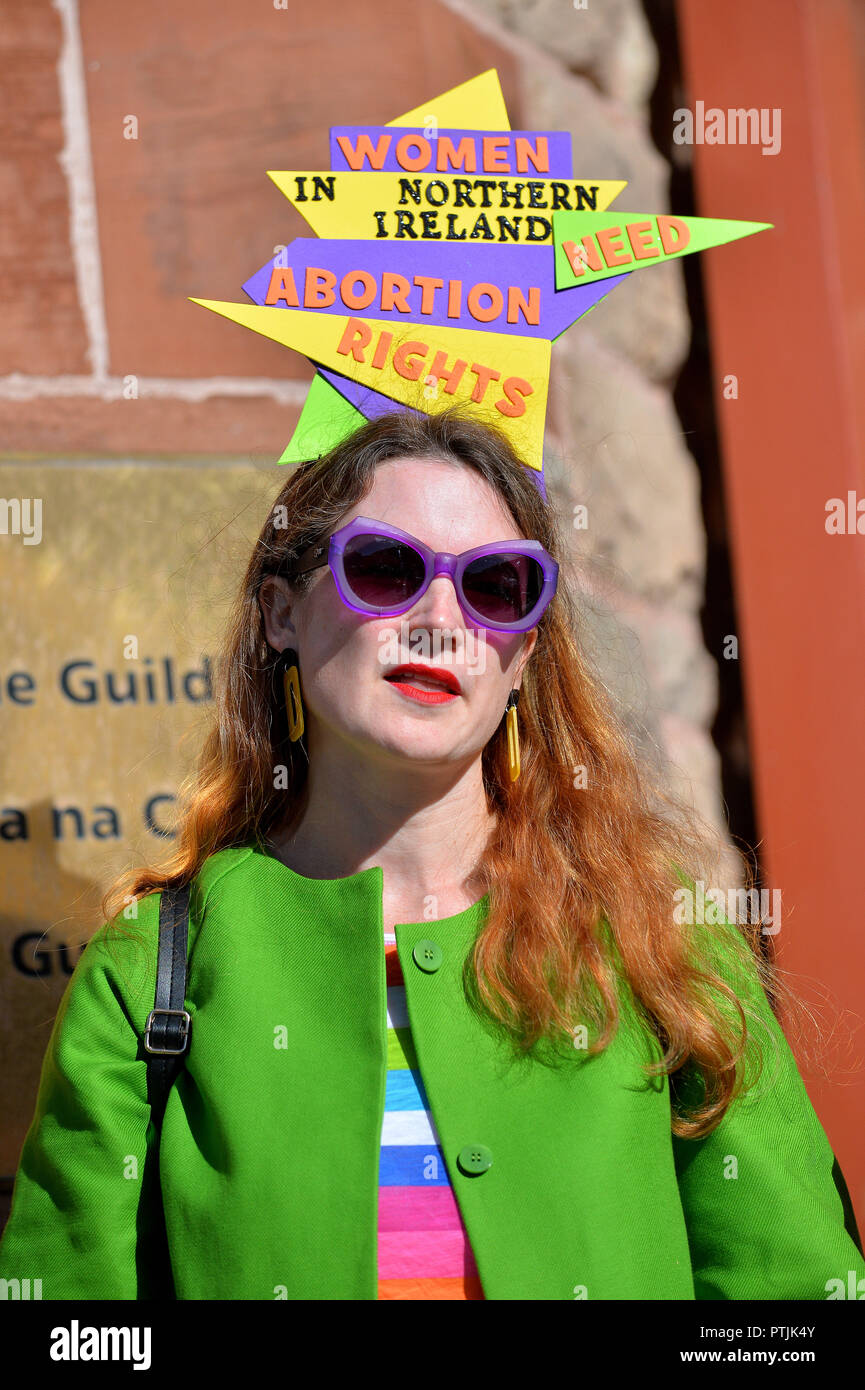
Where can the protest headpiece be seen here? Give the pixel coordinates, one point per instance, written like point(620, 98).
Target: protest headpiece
point(449, 253)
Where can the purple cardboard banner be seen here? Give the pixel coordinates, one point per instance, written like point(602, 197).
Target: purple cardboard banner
point(370, 403)
point(532, 154)
point(476, 287)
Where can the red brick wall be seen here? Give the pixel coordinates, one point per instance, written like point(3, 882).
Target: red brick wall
point(220, 93)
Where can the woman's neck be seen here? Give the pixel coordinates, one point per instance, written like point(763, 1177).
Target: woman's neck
point(426, 828)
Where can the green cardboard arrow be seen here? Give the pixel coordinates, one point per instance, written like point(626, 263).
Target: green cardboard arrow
point(326, 419)
point(596, 245)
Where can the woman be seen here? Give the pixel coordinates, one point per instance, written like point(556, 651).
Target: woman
point(451, 1036)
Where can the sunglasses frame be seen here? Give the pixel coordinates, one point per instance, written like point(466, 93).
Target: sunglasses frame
point(435, 563)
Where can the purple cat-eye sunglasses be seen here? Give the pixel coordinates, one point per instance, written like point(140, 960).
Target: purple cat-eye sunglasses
point(382, 571)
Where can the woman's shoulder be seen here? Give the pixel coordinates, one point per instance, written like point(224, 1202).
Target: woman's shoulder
point(226, 869)
point(123, 951)
point(140, 916)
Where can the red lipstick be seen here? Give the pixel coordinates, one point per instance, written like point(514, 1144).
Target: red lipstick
point(430, 686)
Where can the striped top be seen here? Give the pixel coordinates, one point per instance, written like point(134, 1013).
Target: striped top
point(423, 1246)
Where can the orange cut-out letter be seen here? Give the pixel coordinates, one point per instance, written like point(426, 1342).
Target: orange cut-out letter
point(450, 377)
point(515, 388)
point(409, 358)
point(320, 288)
point(356, 336)
point(609, 240)
point(282, 286)
point(639, 235)
point(350, 298)
point(673, 243)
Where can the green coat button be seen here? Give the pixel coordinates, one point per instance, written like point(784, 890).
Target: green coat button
point(427, 955)
point(474, 1159)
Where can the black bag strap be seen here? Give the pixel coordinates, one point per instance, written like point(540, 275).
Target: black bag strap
point(166, 1033)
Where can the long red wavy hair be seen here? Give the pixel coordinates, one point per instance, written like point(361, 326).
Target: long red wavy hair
point(582, 870)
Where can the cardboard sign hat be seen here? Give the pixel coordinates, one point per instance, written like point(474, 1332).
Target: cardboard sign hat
point(449, 253)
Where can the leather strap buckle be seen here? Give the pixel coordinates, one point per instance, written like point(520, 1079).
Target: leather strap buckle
point(170, 1032)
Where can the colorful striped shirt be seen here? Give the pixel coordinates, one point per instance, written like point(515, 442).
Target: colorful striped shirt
point(423, 1245)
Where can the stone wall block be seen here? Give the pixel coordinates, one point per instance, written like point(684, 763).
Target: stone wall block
point(622, 455)
point(606, 40)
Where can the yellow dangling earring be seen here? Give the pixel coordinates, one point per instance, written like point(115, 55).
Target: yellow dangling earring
point(291, 690)
point(513, 735)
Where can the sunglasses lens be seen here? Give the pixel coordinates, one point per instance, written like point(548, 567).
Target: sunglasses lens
point(503, 588)
point(381, 571)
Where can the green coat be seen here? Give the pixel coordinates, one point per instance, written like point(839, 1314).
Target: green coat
point(268, 1164)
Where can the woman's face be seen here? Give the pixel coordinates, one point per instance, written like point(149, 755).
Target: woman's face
point(345, 658)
